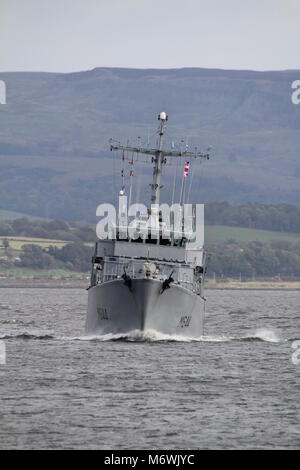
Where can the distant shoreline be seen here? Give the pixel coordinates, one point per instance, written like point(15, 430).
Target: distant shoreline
point(44, 283)
point(253, 285)
point(82, 283)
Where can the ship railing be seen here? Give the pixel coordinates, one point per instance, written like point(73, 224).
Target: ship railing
point(134, 267)
point(115, 269)
point(184, 283)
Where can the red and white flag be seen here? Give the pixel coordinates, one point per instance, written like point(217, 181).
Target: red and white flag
point(186, 169)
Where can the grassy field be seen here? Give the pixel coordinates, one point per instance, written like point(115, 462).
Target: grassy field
point(16, 243)
point(263, 284)
point(222, 233)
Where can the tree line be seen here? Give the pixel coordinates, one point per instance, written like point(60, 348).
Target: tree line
point(72, 257)
point(54, 229)
point(254, 259)
point(274, 217)
point(229, 260)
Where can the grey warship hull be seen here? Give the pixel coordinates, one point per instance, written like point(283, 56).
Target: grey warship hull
point(114, 308)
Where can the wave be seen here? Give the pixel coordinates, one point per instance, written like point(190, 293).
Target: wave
point(27, 336)
point(150, 336)
point(263, 334)
point(16, 322)
point(5, 307)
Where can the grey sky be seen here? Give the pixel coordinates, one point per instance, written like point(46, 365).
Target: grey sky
point(71, 35)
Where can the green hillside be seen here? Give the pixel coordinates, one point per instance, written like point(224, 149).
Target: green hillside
point(11, 215)
point(215, 234)
point(54, 129)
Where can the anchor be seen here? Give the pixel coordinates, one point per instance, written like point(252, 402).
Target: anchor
point(127, 280)
point(166, 283)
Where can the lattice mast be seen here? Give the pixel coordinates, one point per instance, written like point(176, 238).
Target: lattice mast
point(159, 154)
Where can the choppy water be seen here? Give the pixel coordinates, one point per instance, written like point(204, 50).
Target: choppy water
point(234, 388)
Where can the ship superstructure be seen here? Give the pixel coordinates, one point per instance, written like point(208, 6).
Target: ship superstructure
point(151, 281)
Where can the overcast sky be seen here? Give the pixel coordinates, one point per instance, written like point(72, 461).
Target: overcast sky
point(72, 35)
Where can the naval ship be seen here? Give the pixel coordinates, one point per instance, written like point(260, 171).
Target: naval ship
point(143, 284)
